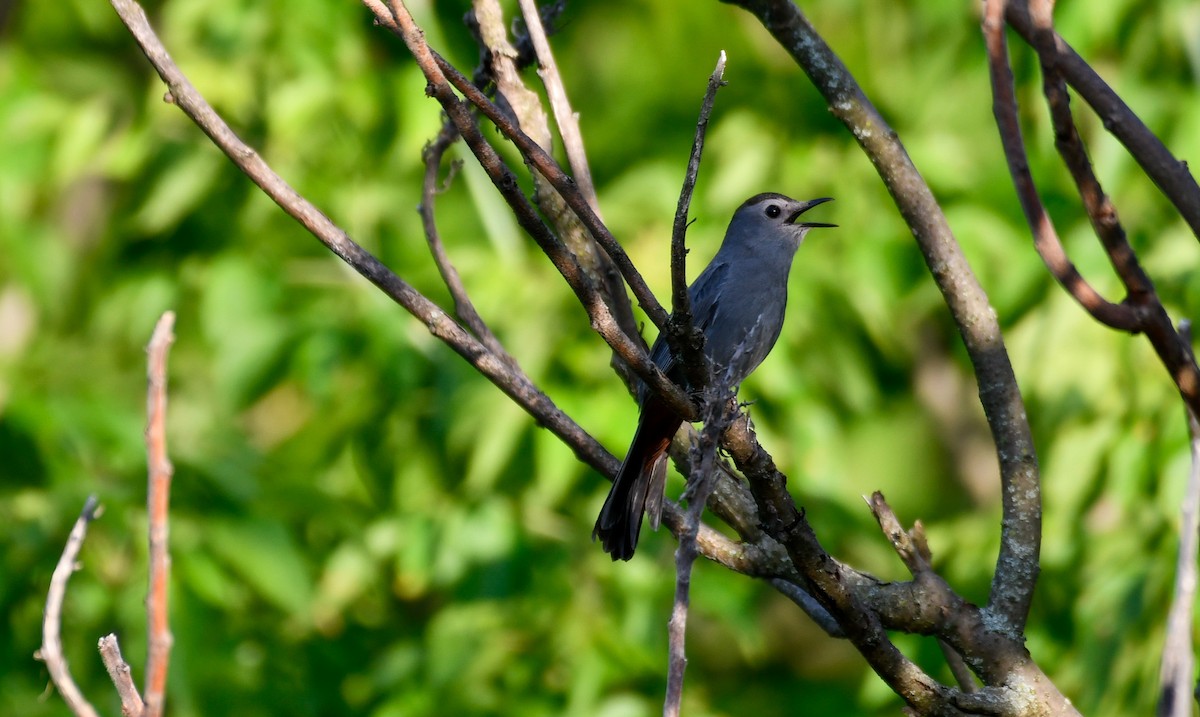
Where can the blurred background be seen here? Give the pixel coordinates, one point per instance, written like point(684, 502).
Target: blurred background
point(362, 525)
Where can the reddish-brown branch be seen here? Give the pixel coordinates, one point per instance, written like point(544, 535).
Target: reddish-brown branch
point(158, 499)
point(51, 651)
point(1143, 302)
point(1100, 210)
point(1168, 173)
point(1045, 238)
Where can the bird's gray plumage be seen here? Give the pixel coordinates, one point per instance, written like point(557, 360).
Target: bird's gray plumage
point(738, 303)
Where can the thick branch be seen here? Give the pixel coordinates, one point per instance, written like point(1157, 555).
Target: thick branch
point(1020, 540)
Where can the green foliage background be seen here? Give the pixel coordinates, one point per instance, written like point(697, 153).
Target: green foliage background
point(363, 526)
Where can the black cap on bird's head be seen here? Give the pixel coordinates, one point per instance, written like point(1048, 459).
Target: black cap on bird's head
point(780, 209)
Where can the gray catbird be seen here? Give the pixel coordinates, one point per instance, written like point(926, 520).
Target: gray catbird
point(737, 303)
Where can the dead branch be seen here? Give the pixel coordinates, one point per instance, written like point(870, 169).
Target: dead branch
point(159, 639)
point(1020, 538)
point(121, 675)
point(51, 651)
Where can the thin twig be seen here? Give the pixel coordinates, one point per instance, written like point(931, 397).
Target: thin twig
point(158, 498)
point(51, 651)
point(542, 162)
point(1176, 674)
point(913, 549)
point(508, 379)
point(438, 71)
point(682, 335)
point(523, 112)
point(719, 408)
point(566, 118)
point(806, 602)
point(121, 675)
point(464, 309)
point(1045, 238)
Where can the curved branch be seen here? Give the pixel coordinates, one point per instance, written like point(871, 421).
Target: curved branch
point(1045, 238)
point(51, 651)
point(464, 308)
point(1169, 174)
point(1020, 538)
point(1152, 319)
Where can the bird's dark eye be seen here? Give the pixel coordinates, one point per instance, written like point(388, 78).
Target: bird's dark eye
point(773, 211)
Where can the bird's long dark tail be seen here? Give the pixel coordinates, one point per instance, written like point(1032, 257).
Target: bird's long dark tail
point(638, 487)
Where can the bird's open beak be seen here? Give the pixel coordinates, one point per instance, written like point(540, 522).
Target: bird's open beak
point(804, 207)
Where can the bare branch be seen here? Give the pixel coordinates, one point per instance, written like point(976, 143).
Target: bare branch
point(566, 118)
point(121, 675)
point(719, 408)
point(1020, 538)
point(1045, 238)
point(1100, 210)
point(158, 496)
point(508, 379)
point(51, 651)
point(1150, 316)
point(543, 163)
point(913, 550)
point(438, 71)
point(464, 309)
point(684, 338)
point(1169, 174)
point(1176, 674)
point(523, 113)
